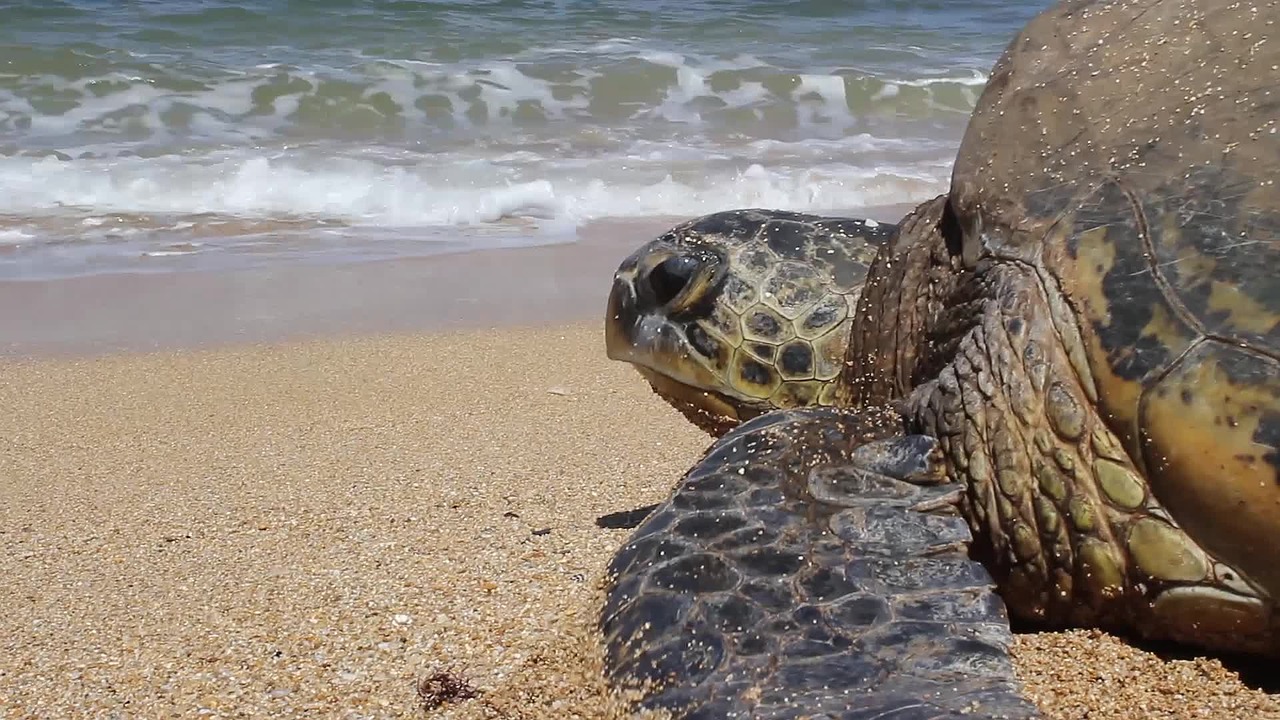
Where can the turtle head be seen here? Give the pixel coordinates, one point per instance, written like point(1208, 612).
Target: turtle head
point(739, 313)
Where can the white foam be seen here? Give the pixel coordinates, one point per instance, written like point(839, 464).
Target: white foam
point(230, 106)
point(973, 79)
point(447, 191)
point(889, 90)
point(14, 237)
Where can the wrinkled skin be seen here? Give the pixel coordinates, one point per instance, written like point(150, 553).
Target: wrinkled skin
point(1086, 325)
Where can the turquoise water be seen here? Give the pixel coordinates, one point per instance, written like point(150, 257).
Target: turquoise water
point(158, 135)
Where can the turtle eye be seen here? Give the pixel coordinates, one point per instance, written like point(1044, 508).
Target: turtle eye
point(671, 277)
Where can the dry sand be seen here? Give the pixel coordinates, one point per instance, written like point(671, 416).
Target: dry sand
point(309, 529)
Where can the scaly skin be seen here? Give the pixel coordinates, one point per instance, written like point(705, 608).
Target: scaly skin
point(1062, 517)
point(742, 312)
point(1122, 171)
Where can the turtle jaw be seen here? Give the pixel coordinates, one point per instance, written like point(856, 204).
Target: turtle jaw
point(712, 412)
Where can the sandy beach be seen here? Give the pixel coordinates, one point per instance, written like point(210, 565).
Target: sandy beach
point(310, 528)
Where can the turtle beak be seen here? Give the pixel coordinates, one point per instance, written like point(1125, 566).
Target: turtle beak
point(621, 317)
point(656, 293)
point(632, 315)
point(651, 286)
point(627, 308)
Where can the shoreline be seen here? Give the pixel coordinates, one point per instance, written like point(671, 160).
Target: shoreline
point(484, 288)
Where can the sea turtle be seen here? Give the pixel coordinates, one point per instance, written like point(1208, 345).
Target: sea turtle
point(1057, 392)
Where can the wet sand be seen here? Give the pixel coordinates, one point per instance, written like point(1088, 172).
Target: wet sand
point(311, 528)
point(106, 313)
point(543, 285)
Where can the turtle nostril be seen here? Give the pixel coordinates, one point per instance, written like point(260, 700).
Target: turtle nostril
point(669, 278)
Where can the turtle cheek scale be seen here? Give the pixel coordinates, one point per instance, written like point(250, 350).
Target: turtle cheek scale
point(793, 325)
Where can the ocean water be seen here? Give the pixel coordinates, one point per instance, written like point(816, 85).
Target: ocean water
point(160, 135)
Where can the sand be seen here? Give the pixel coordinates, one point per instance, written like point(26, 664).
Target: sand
point(309, 530)
point(312, 529)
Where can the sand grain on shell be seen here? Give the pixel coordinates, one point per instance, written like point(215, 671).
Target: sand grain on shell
point(310, 530)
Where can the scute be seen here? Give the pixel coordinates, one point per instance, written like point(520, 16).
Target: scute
point(1216, 245)
point(795, 360)
point(1131, 90)
point(790, 289)
point(730, 223)
point(753, 377)
point(823, 318)
point(765, 325)
point(1211, 432)
point(789, 239)
point(1134, 330)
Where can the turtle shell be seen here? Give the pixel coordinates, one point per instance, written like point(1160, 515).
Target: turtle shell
point(1130, 151)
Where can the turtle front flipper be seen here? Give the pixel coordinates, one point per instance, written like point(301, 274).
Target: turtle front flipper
point(811, 565)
